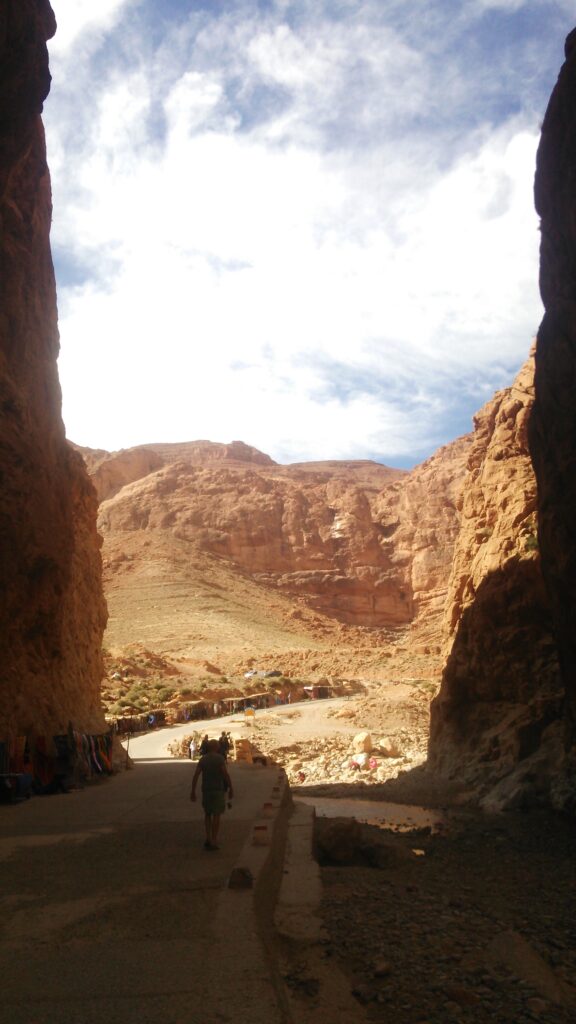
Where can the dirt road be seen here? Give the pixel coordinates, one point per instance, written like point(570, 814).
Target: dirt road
point(300, 720)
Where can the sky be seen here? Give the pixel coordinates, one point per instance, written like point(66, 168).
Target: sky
point(303, 224)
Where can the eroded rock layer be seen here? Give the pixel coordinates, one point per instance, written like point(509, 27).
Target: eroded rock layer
point(52, 612)
point(364, 544)
point(496, 719)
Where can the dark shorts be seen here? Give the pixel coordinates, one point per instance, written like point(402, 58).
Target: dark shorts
point(214, 801)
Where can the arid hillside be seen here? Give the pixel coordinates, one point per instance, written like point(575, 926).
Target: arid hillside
point(215, 553)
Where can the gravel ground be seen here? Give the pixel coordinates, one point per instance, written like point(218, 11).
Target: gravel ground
point(477, 926)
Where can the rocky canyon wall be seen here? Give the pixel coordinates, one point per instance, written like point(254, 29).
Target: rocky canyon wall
point(419, 518)
point(497, 720)
point(506, 713)
point(52, 611)
point(364, 544)
point(553, 425)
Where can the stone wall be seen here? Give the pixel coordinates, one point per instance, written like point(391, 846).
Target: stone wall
point(52, 612)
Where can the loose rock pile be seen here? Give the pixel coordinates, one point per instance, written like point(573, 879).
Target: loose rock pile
point(337, 760)
point(386, 743)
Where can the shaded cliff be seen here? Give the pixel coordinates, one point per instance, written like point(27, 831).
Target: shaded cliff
point(553, 426)
point(52, 612)
point(495, 721)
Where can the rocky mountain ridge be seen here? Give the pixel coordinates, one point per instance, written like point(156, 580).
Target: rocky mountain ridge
point(357, 541)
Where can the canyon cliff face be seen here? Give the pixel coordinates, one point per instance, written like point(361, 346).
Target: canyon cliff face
point(506, 713)
point(52, 612)
point(419, 517)
point(361, 543)
point(495, 722)
point(553, 425)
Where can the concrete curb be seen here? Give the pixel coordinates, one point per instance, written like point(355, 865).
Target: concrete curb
point(264, 835)
point(316, 991)
point(241, 925)
point(301, 887)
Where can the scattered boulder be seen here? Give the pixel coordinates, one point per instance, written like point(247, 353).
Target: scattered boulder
point(338, 841)
point(388, 746)
point(362, 743)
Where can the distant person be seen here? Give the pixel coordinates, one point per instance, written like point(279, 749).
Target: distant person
point(224, 745)
point(192, 749)
point(215, 782)
point(204, 745)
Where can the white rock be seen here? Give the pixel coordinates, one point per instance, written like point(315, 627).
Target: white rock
point(389, 746)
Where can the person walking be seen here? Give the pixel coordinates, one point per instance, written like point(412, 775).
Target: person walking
point(224, 745)
point(215, 782)
point(192, 749)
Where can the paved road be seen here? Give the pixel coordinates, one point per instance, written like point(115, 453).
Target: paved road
point(112, 911)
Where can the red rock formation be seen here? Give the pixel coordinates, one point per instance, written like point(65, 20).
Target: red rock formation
point(553, 427)
point(306, 532)
point(110, 473)
point(420, 520)
point(496, 715)
point(52, 612)
point(360, 542)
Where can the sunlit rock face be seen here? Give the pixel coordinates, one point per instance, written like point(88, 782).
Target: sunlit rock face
point(52, 612)
point(553, 426)
point(308, 530)
point(497, 722)
point(419, 519)
point(362, 543)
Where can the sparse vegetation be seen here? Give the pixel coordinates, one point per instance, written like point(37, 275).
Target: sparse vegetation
point(165, 693)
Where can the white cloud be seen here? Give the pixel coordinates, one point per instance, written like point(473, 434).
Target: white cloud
point(76, 17)
point(288, 238)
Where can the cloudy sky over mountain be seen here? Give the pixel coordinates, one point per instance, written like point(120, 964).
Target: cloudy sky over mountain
point(305, 224)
